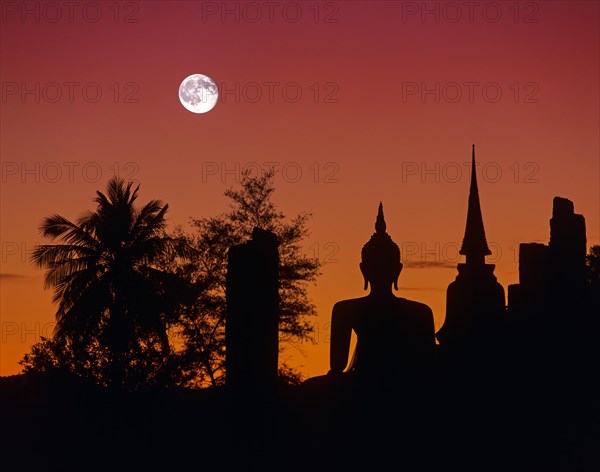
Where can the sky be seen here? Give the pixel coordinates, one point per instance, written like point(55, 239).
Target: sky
point(354, 102)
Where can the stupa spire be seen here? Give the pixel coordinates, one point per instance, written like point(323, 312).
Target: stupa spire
point(474, 245)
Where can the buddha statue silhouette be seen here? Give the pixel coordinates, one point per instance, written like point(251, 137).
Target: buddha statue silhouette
point(394, 335)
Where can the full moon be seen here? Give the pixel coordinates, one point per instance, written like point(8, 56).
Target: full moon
point(198, 93)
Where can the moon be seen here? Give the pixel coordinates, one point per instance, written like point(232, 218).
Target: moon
point(198, 93)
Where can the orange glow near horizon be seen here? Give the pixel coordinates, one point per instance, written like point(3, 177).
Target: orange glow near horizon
point(354, 102)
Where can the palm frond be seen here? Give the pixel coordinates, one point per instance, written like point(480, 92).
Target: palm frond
point(150, 221)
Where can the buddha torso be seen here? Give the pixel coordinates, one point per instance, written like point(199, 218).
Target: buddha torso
point(392, 333)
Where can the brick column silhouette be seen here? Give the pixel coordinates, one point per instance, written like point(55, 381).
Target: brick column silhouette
point(252, 324)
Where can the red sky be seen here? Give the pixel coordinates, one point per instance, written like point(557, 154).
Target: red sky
point(393, 94)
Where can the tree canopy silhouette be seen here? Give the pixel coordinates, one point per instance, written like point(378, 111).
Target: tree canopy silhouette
point(592, 262)
point(202, 323)
point(114, 303)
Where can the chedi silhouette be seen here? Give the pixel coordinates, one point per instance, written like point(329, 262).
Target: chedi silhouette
point(475, 304)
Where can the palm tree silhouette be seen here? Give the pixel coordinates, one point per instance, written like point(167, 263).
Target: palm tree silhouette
point(107, 285)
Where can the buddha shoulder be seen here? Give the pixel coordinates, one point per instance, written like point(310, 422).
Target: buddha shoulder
point(417, 308)
point(350, 304)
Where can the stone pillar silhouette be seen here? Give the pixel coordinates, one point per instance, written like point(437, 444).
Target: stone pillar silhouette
point(252, 323)
point(475, 304)
point(567, 245)
point(527, 299)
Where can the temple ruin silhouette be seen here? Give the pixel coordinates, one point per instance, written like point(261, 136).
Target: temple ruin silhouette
point(510, 386)
point(549, 307)
point(551, 274)
point(552, 309)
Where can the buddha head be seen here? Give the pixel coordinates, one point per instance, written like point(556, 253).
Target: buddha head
point(380, 264)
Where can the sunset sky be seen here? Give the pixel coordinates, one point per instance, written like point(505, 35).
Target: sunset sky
point(355, 102)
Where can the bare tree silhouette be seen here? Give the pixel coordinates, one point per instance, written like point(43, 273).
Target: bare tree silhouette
point(202, 324)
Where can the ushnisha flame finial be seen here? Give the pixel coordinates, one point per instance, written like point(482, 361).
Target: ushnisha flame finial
point(380, 222)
